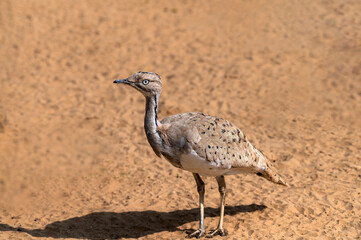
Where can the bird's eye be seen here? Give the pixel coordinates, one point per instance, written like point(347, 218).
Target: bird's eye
point(145, 81)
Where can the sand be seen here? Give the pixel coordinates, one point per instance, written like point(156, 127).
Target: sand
point(74, 159)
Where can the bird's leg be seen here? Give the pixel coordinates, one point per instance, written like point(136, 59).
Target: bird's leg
point(200, 187)
point(222, 190)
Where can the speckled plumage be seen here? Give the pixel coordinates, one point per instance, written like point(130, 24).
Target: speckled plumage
point(199, 143)
point(217, 141)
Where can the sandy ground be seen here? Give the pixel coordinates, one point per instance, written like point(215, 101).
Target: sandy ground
point(74, 160)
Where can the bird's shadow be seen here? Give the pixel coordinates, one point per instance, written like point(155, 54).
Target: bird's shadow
point(132, 224)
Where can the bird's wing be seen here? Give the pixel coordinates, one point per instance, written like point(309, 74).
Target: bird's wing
point(218, 141)
point(212, 138)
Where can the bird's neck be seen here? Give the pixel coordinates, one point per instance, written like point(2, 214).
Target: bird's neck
point(151, 123)
point(151, 109)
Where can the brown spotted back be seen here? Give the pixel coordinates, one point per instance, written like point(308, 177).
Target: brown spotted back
point(217, 140)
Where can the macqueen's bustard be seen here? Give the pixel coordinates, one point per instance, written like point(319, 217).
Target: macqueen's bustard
point(199, 143)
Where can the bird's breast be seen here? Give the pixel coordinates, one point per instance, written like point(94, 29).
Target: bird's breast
point(192, 162)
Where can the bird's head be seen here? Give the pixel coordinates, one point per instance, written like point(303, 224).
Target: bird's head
point(148, 83)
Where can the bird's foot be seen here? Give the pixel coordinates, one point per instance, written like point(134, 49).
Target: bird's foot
point(197, 234)
point(219, 231)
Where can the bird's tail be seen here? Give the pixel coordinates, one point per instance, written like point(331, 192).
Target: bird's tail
point(271, 174)
point(266, 170)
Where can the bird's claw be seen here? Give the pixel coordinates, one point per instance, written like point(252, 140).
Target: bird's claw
point(197, 234)
point(219, 231)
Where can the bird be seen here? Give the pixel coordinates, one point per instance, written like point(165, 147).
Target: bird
point(204, 145)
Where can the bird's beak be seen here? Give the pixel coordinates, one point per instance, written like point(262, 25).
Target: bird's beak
point(122, 81)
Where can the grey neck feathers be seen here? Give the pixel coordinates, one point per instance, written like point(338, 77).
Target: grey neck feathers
point(151, 123)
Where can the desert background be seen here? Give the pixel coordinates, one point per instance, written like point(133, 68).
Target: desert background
point(74, 159)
